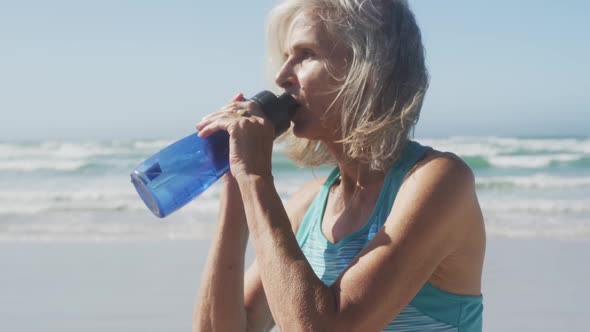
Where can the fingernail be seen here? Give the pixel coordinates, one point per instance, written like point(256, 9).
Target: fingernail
point(239, 97)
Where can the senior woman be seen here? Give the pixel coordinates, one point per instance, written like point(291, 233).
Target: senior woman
point(393, 239)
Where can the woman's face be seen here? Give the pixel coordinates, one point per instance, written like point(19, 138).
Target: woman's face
point(313, 62)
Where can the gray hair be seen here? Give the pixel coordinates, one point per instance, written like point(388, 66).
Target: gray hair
point(386, 79)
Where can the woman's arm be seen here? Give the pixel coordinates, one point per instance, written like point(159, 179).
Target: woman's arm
point(230, 301)
point(435, 209)
point(222, 284)
point(238, 307)
point(220, 305)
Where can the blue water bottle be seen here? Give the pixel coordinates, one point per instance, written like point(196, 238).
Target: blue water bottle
point(180, 172)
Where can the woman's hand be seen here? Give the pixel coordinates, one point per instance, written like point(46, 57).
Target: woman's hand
point(251, 136)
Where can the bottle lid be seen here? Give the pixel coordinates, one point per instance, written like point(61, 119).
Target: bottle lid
point(278, 109)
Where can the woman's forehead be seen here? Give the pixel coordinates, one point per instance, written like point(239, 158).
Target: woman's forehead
point(305, 29)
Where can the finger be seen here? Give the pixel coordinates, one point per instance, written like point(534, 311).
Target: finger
point(224, 112)
point(235, 104)
point(250, 106)
point(221, 121)
point(209, 129)
point(214, 114)
point(236, 98)
point(208, 119)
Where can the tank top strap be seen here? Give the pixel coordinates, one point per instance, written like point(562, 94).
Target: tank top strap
point(413, 153)
point(316, 209)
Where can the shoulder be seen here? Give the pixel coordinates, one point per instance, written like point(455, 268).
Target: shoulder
point(441, 169)
point(300, 201)
point(439, 193)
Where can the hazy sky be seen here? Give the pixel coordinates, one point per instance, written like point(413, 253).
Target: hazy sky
point(151, 69)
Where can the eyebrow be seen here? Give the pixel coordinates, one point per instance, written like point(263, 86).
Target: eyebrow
point(299, 45)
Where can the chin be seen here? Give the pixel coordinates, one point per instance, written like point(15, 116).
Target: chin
point(306, 127)
point(300, 127)
point(306, 132)
point(298, 130)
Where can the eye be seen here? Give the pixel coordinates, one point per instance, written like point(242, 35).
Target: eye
point(307, 53)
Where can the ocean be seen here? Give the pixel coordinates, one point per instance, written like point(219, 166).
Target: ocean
point(80, 191)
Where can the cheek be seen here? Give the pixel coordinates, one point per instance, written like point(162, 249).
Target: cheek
point(318, 88)
point(315, 78)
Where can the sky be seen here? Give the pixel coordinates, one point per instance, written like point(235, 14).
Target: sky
point(140, 69)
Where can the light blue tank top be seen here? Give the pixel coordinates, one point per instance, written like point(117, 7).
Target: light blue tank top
point(431, 309)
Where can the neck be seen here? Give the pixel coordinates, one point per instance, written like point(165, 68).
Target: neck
point(355, 177)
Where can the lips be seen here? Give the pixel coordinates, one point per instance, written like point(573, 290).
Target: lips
point(297, 98)
point(296, 113)
point(299, 104)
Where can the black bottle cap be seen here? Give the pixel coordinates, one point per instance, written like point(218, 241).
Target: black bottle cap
point(279, 110)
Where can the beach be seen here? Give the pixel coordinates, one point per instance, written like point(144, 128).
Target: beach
point(529, 285)
point(79, 251)
point(91, 89)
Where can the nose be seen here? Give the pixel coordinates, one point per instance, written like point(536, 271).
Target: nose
point(286, 77)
